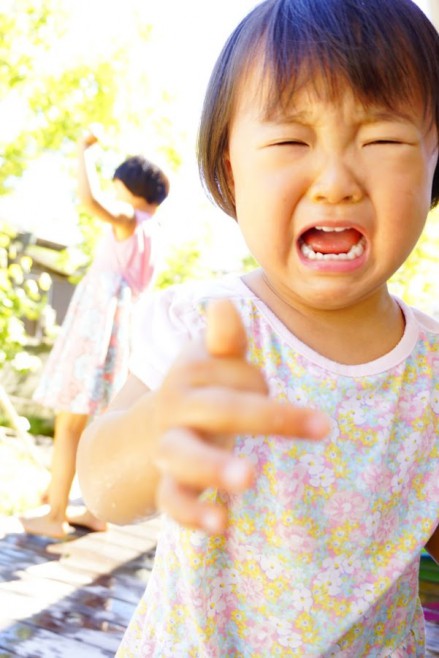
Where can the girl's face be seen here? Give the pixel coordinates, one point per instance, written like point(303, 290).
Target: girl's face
point(331, 196)
point(121, 192)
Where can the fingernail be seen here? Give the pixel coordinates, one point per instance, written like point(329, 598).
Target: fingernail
point(317, 426)
point(235, 475)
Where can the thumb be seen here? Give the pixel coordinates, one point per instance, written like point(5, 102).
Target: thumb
point(225, 334)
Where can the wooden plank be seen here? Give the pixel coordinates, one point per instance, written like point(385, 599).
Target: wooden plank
point(17, 555)
point(71, 599)
point(128, 589)
point(89, 556)
point(51, 570)
point(99, 610)
point(79, 626)
point(46, 591)
point(17, 606)
point(27, 641)
point(117, 537)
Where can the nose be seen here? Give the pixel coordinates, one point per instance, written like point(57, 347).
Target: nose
point(335, 182)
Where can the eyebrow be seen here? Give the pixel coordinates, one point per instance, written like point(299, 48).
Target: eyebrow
point(387, 115)
point(370, 115)
point(292, 117)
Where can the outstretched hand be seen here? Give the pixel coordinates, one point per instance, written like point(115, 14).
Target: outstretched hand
point(211, 394)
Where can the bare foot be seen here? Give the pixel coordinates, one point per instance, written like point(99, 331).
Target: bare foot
point(85, 519)
point(47, 526)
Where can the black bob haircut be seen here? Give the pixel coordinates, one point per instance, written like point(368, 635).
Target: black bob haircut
point(387, 51)
point(143, 179)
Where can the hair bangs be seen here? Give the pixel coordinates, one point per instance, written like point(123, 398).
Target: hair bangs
point(336, 44)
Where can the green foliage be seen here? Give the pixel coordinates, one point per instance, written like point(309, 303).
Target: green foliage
point(40, 426)
point(184, 263)
point(53, 88)
point(416, 282)
point(249, 263)
point(55, 103)
point(22, 480)
point(26, 27)
point(21, 298)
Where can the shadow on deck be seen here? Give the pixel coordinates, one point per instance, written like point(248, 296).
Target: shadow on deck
point(71, 599)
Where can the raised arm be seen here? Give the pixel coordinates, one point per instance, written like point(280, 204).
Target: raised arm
point(121, 217)
point(161, 449)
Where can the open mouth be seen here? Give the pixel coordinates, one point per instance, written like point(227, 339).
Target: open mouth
point(332, 243)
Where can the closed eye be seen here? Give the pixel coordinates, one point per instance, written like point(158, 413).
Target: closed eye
point(384, 141)
point(290, 142)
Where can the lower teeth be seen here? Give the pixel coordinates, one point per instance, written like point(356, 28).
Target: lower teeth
point(354, 252)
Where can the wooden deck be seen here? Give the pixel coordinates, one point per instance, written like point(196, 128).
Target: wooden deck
point(73, 599)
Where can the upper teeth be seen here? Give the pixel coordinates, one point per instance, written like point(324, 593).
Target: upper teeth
point(329, 229)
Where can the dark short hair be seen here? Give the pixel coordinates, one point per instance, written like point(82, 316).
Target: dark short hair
point(143, 178)
point(387, 51)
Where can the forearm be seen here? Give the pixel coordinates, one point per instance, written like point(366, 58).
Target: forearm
point(115, 464)
point(92, 199)
point(88, 186)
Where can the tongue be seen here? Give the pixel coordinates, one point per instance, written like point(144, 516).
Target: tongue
point(331, 242)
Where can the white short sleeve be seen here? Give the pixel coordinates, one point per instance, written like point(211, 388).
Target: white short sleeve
point(163, 323)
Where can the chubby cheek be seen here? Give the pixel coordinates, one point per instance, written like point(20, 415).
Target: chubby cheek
point(265, 218)
point(403, 193)
point(399, 223)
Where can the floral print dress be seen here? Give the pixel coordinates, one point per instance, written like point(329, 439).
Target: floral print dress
point(321, 556)
point(88, 363)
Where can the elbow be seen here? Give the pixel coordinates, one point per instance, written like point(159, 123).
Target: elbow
point(92, 481)
point(107, 504)
point(109, 508)
point(88, 203)
point(107, 491)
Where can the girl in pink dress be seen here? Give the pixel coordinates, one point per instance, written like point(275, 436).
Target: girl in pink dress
point(88, 362)
point(286, 422)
